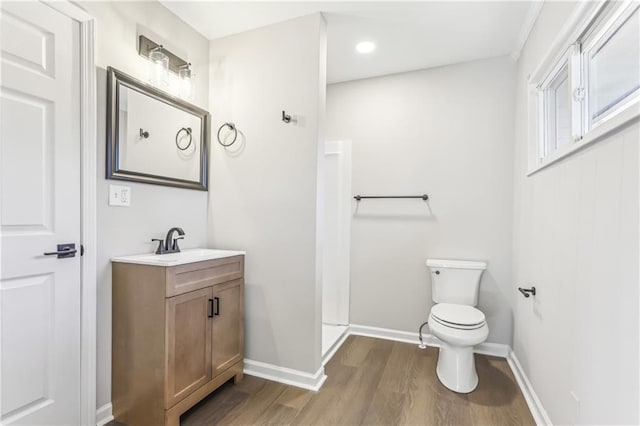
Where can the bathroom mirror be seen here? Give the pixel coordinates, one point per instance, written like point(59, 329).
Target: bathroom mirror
point(153, 137)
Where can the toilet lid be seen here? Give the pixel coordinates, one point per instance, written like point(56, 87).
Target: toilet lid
point(457, 315)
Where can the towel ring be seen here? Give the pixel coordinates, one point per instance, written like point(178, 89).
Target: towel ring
point(188, 130)
point(231, 126)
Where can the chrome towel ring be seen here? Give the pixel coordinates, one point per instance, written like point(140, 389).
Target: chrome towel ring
point(231, 127)
point(184, 129)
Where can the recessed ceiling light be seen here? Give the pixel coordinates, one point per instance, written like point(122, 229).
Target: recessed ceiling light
point(365, 47)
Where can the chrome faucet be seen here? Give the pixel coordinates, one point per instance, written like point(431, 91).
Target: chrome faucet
point(170, 244)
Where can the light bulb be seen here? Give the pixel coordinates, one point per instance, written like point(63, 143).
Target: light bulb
point(158, 67)
point(185, 75)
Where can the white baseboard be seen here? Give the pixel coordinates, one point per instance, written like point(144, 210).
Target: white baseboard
point(535, 406)
point(104, 414)
point(493, 349)
point(285, 375)
point(389, 334)
point(327, 357)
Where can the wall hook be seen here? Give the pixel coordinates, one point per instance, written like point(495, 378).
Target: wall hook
point(286, 118)
point(143, 134)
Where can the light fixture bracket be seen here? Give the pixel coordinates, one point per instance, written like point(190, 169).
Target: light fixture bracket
point(145, 46)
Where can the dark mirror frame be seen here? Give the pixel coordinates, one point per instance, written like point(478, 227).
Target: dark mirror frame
point(117, 79)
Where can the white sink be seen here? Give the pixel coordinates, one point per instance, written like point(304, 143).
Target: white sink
point(173, 259)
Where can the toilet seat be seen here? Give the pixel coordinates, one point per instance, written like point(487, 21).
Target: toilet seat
point(461, 317)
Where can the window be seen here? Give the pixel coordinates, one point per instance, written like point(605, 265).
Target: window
point(612, 65)
point(556, 114)
point(589, 84)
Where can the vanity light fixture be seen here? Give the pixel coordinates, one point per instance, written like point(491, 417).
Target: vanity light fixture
point(163, 62)
point(365, 47)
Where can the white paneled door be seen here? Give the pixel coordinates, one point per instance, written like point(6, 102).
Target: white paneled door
point(40, 209)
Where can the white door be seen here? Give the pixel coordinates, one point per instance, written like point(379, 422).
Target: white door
point(337, 222)
point(40, 208)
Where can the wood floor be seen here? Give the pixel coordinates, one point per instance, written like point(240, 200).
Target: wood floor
point(371, 381)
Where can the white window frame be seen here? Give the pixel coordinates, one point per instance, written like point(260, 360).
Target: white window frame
point(589, 27)
point(544, 105)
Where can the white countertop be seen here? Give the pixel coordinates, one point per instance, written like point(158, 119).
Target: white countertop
point(173, 259)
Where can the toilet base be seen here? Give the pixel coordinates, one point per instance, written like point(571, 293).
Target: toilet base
point(456, 368)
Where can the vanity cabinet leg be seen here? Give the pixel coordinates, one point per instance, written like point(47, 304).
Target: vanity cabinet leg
point(238, 377)
point(171, 420)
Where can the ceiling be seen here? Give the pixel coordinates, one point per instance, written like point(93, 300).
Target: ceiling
point(408, 35)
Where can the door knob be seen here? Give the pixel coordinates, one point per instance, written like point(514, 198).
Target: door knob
point(64, 251)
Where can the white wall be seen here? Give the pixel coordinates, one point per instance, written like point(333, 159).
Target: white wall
point(264, 188)
point(154, 209)
point(447, 132)
point(576, 240)
point(337, 233)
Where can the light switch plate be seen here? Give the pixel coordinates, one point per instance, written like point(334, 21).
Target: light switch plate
point(119, 195)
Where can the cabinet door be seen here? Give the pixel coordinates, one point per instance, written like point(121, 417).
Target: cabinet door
point(188, 343)
point(228, 325)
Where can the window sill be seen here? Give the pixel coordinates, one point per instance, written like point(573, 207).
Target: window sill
point(623, 118)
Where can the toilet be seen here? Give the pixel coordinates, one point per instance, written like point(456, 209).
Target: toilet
point(455, 321)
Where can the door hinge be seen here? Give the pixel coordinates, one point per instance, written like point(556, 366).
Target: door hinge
point(81, 250)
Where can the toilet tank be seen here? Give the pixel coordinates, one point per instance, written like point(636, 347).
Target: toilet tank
point(455, 281)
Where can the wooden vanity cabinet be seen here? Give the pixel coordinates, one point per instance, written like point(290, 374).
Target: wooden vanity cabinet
point(178, 334)
point(188, 337)
point(227, 326)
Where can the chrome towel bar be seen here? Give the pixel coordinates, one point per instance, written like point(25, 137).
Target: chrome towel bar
point(425, 197)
